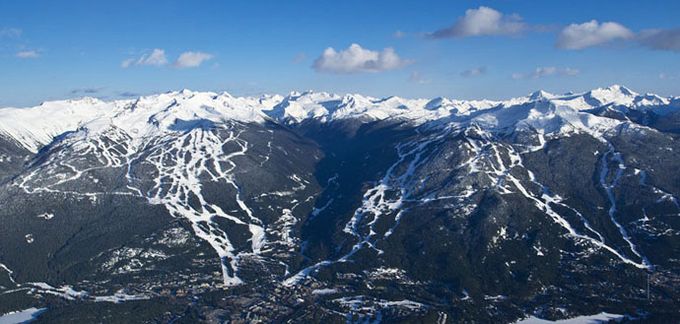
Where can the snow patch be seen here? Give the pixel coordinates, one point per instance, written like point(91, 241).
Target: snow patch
point(586, 319)
point(22, 316)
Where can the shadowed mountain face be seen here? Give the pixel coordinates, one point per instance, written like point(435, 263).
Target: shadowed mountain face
point(319, 208)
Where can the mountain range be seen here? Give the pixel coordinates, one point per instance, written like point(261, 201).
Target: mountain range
point(314, 207)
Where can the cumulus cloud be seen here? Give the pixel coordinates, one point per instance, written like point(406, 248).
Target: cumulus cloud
point(592, 33)
point(30, 54)
point(155, 58)
point(192, 59)
point(660, 39)
point(483, 21)
point(541, 72)
point(357, 59)
point(474, 72)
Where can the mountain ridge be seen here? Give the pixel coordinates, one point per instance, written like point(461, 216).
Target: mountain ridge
point(36, 126)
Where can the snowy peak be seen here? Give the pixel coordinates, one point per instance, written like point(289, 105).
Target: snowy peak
point(541, 95)
point(146, 116)
point(297, 107)
point(437, 103)
point(35, 127)
point(615, 94)
point(650, 99)
point(173, 111)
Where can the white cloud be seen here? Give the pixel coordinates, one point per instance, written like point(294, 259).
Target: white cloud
point(192, 59)
point(592, 33)
point(541, 72)
point(474, 72)
point(661, 39)
point(399, 34)
point(483, 21)
point(356, 59)
point(28, 54)
point(155, 58)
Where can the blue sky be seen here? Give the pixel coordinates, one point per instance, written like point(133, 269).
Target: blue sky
point(112, 49)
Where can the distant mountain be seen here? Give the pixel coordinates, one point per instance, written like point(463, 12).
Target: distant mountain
point(316, 207)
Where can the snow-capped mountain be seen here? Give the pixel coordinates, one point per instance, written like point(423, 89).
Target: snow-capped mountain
point(323, 207)
point(149, 116)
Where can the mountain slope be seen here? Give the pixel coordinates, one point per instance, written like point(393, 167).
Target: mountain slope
point(321, 207)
